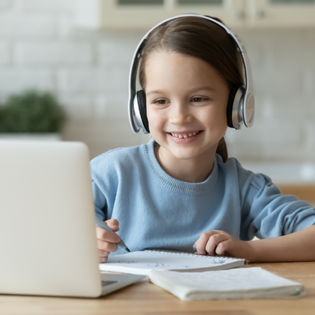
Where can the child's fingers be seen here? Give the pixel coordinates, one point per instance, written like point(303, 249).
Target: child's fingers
point(108, 236)
point(103, 253)
point(202, 241)
point(106, 246)
point(113, 224)
point(223, 248)
point(106, 243)
point(102, 259)
point(213, 242)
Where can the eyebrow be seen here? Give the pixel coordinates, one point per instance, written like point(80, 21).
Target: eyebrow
point(202, 88)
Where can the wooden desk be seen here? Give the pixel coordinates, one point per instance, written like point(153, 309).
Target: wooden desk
point(144, 298)
point(304, 192)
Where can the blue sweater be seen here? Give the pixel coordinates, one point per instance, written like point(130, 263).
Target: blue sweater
point(156, 211)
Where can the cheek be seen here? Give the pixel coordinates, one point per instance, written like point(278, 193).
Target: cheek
point(215, 122)
point(213, 117)
point(149, 117)
point(154, 117)
point(222, 118)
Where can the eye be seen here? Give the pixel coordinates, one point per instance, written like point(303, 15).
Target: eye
point(160, 102)
point(198, 99)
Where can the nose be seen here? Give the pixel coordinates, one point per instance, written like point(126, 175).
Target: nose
point(180, 114)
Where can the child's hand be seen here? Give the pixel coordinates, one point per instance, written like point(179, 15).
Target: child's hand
point(107, 240)
point(220, 243)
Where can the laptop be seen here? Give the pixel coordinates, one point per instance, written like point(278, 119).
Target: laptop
point(47, 222)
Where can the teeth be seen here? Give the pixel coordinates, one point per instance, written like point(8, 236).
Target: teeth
point(183, 136)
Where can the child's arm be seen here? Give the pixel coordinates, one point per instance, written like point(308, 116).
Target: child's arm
point(298, 246)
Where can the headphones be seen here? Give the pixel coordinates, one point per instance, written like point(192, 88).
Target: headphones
point(241, 102)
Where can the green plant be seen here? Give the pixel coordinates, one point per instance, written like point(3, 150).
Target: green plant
point(32, 111)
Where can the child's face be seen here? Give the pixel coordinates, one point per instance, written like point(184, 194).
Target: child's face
point(186, 104)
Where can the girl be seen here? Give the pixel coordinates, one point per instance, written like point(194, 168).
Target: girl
point(181, 189)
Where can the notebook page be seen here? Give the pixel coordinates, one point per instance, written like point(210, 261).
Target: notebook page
point(227, 284)
point(228, 280)
point(142, 262)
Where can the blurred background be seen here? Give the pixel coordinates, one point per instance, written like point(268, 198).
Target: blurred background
point(80, 51)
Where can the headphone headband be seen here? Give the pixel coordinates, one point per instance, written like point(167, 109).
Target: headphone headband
point(244, 114)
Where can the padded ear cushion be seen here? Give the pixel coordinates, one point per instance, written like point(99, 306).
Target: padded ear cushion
point(143, 109)
point(230, 106)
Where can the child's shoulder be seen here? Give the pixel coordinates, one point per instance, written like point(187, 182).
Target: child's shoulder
point(230, 164)
point(119, 156)
point(234, 168)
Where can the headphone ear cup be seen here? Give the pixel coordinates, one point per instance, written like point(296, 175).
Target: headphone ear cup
point(141, 97)
point(234, 108)
point(229, 109)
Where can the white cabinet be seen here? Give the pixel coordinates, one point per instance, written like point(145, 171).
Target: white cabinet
point(280, 13)
point(144, 14)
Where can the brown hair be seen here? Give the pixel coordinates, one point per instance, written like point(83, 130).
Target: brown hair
point(199, 38)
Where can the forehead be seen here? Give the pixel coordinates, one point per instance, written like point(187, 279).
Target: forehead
point(170, 69)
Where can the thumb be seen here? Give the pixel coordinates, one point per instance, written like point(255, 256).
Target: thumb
point(113, 224)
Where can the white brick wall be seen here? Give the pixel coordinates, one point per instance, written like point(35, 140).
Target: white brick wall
point(96, 78)
point(118, 48)
point(6, 4)
point(4, 53)
point(45, 5)
point(308, 82)
point(19, 25)
point(78, 106)
point(15, 79)
point(111, 106)
point(53, 53)
point(40, 48)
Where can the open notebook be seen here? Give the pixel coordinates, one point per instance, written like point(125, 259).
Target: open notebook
point(142, 262)
point(243, 283)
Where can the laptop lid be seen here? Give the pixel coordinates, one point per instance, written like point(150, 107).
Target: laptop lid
point(47, 221)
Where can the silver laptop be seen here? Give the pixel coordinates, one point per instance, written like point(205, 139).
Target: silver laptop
point(47, 222)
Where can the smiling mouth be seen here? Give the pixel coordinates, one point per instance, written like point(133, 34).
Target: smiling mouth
point(184, 136)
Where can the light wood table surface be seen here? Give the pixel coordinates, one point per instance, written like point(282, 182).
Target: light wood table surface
point(144, 298)
point(304, 192)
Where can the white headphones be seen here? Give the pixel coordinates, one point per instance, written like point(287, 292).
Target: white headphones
point(241, 103)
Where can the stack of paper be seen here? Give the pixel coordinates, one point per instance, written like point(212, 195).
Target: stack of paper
point(241, 283)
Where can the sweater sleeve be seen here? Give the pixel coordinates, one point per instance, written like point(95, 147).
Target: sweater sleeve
point(105, 173)
point(268, 213)
point(99, 204)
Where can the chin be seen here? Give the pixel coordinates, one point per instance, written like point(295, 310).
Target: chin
point(185, 154)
